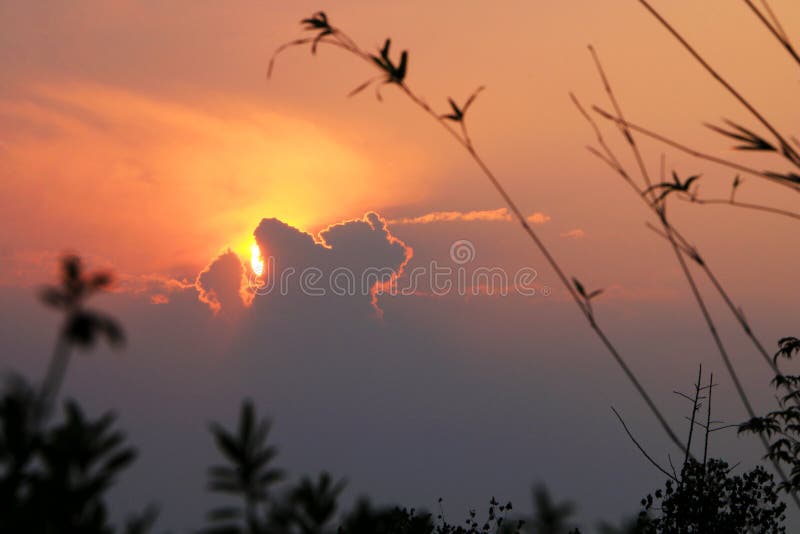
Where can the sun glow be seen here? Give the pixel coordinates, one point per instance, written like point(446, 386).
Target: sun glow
point(256, 260)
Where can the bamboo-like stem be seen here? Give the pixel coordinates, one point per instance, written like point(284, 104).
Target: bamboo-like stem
point(54, 376)
point(774, 27)
point(694, 414)
point(343, 41)
point(660, 211)
point(628, 137)
point(708, 418)
point(469, 147)
point(696, 153)
point(679, 247)
point(747, 205)
point(787, 149)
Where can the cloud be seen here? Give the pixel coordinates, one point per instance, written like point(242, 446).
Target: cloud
point(575, 233)
point(159, 298)
point(185, 172)
point(358, 258)
point(149, 284)
point(538, 218)
point(220, 285)
point(500, 214)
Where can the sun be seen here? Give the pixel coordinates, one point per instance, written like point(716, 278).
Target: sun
point(256, 260)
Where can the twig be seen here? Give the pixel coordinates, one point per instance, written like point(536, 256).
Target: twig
point(628, 137)
point(669, 459)
point(787, 149)
point(692, 152)
point(746, 205)
point(641, 449)
point(774, 27)
point(680, 247)
point(465, 141)
point(694, 413)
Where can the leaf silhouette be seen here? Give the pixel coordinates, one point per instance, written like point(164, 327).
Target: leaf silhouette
point(579, 287)
point(676, 186)
point(248, 472)
point(594, 294)
point(394, 74)
point(749, 139)
point(458, 112)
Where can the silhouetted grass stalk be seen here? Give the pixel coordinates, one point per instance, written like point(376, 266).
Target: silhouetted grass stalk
point(658, 206)
point(80, 327)
point(692, 152)
point(56, 371)
point(746, 205)
point(774, 27)
point(327, 33)
point(695, 400)
point(786, 148)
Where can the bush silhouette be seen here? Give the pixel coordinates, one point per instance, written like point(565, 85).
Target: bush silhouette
point(709, 499)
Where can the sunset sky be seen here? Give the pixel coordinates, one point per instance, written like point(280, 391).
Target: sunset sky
point(146, 137)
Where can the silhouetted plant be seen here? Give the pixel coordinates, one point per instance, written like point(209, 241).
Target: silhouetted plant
point(710, 500)
point(628, 526)
point(748, 139)
point(79, 461)
point(782, 426)
point(649, 193)
point(54, 479)
point(366, 519)
point(676, 186)
point(396, 74)
point(704, 497)
point(310, 506)
point(307, 508)
point(550, 517)
point(655, 195)
point(82, 326)
point(249, 475)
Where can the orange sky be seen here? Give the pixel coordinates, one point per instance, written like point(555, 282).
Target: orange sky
point(145, 136)
point(152, 142)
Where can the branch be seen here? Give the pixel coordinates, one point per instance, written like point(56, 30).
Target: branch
point(641, 449)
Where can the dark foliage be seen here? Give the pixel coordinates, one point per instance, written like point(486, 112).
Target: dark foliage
point(248, 474)
point(82, 327)
point(54, 475)
point(782, 426)
point(54, 478)
point(710, 500)
point(676, 186)
point(364, 519)
point(310, 506)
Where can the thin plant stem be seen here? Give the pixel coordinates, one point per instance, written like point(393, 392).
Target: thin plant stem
point(774, 27)
point(679, 250)
point(694, 413)
point(641, 449)
point(469, 147)
point(787, 149)
point(54, 376)
point(612, 161)
point(747, 205)
point(692, 152)
point(628, 137)
point(465, 141)
point(661, 212)
point(708, 418)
